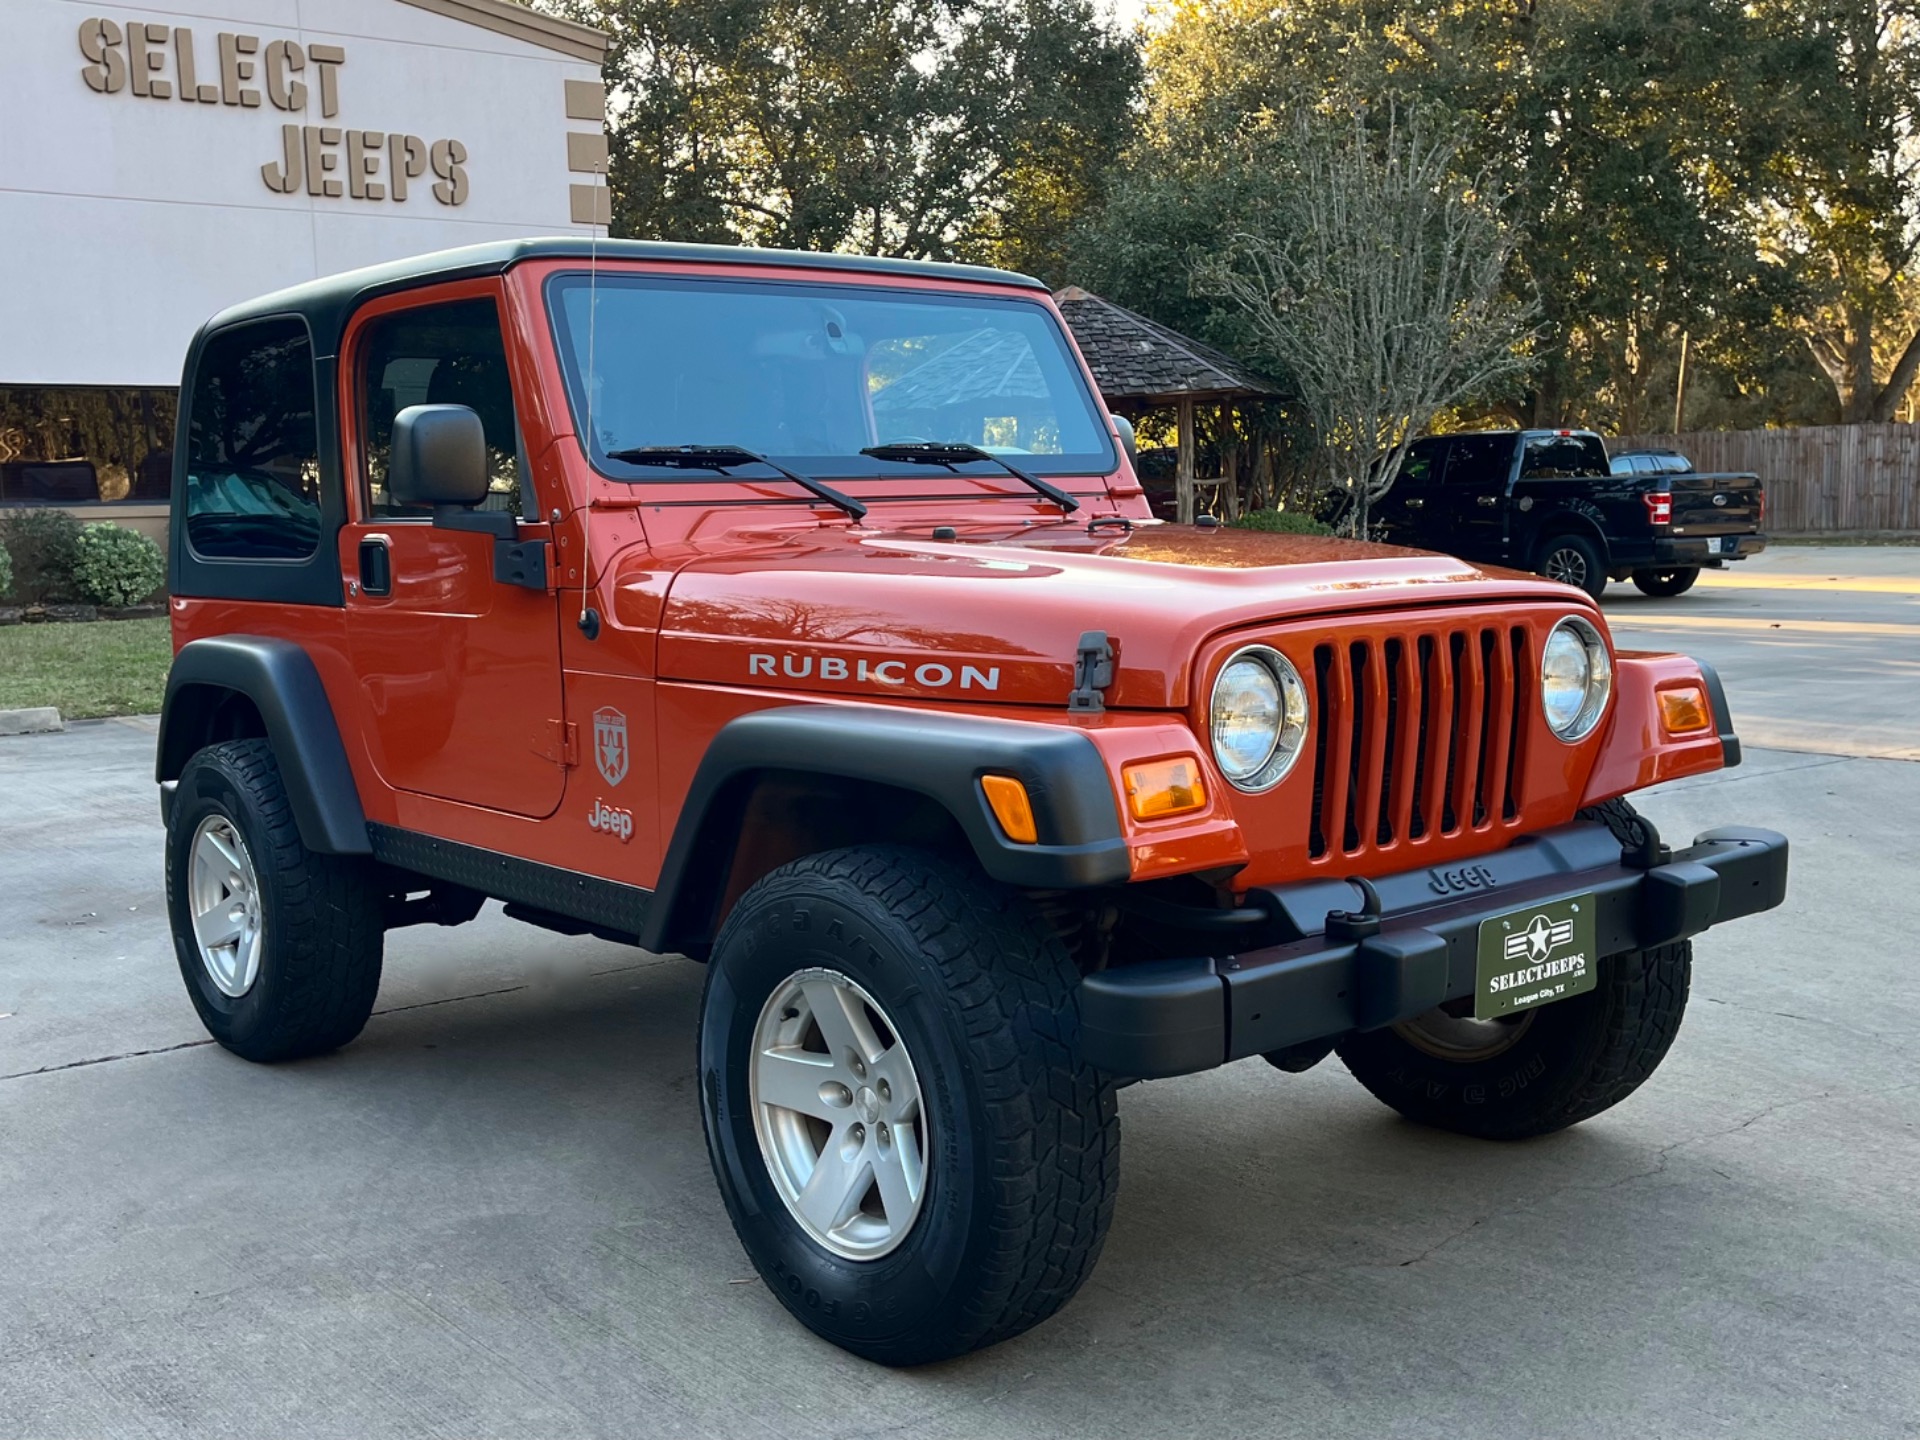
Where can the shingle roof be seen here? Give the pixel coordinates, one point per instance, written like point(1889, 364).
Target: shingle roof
point(1133, 358)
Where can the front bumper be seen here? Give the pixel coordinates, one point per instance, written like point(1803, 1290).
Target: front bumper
point(1177, 1016)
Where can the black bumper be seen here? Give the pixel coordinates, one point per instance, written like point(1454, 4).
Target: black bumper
point(1174, 1017)
point(1684, 551)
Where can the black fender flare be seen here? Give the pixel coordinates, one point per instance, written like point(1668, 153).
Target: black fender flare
point(938, 755)
point(279, 678)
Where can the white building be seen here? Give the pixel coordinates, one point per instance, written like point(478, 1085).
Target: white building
point(161, 161)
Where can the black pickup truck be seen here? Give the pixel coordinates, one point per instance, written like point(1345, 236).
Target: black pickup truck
point(1545, 500)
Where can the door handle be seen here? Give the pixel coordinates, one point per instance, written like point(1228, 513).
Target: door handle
point(1414, 502)
point(376, 566)
point(1488, 501)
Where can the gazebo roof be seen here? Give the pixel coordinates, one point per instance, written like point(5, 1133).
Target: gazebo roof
point(1133, 358)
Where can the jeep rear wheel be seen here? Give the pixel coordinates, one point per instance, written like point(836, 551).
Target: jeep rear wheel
point(280, 948)
point(911, 1153)
point(1536, 1072)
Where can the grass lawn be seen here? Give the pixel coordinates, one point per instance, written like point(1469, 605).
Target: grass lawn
point(111, 667)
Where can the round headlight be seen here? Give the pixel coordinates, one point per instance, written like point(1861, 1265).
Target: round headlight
point(1576, 676)
point(1258, 717)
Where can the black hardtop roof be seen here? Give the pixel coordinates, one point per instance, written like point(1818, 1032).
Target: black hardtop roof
point(327, 302)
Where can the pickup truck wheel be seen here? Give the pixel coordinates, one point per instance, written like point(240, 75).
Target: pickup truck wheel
point(911, 1153)
point(1573, 560)
point(1536, 1072)
point(280, 948)
point(1664, 584)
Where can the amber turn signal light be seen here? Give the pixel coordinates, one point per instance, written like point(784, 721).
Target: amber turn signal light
point(1684, 710)
point(1158, 788)
point(1008, 799)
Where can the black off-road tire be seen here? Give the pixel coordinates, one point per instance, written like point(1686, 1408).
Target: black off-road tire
point(322, 915)
point(1573, 1058)
point(1574, 560)
point(1665, 584)
point(1023, 1139)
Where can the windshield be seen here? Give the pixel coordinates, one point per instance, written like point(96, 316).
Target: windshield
point(811, 375)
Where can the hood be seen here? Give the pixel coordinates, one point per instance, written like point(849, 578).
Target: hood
point(996, 616)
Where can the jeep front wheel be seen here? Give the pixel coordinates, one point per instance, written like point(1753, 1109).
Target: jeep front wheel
point(911, 1153)
point(280, 948)
point(1540, 1070)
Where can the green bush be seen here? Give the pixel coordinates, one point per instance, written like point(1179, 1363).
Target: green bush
point(117, 567)
point(41, 544)
point(6, 572)
point(1283, 522)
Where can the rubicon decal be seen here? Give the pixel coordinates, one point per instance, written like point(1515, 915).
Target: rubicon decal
point(928, 675)
point(610, 744)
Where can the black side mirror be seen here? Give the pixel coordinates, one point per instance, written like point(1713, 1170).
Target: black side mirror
point(439, 456)
point(1125, 427)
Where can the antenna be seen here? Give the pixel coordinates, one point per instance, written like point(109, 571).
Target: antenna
point(589, 617)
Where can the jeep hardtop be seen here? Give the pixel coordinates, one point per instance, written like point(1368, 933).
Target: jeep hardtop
point(802, 614)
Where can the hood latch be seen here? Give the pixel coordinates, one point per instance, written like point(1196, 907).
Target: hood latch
point(1092, 672)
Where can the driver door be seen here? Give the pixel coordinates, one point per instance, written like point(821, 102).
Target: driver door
point(459, 671)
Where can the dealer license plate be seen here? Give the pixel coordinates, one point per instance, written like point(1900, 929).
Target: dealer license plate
point(1535, 956)
point(1717, 545)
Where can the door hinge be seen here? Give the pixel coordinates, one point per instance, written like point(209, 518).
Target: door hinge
point(558, 741)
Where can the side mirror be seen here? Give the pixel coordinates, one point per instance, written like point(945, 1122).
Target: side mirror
point(439, 456)
point(1125, 428)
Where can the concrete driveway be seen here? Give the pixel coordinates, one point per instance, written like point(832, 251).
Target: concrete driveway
point(492, 1215)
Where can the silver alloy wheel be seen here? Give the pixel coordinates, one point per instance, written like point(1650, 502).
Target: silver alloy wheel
point(1568, 566)
point(837, 1108)
point(1461, 1038)
point(223, 895)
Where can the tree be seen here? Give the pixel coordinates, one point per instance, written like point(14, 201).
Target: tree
point(1380, 291)
point(921, 128)
point(1849, 217)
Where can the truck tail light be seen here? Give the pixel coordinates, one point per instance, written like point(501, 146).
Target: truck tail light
point(1759, 506)
point(1659, 507)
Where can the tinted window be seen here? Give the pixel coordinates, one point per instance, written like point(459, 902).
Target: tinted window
point(439, 355)
point(1562, 457)
point(1480, 460)
point(253, 452)
point(1423, 462)
point(1621, 465)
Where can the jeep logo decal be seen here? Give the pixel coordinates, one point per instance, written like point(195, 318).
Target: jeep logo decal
point(610, 744)
point(929, 676)
point(1464, 877)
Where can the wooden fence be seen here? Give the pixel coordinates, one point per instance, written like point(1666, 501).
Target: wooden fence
point(1819, 478)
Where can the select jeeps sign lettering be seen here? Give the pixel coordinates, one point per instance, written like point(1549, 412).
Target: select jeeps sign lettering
point(160, 62)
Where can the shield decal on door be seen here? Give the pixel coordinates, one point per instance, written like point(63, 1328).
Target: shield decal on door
point(610, 744)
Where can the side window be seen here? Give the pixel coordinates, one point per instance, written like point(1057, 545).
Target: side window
point(1480, 460)
point(1423, 463)
point(253, 450)
point(450, 354)
point(1564, 457)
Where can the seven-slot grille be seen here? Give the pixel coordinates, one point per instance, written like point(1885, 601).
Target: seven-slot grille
point(1417, 736)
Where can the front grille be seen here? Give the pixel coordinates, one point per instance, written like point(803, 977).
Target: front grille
point(1417, 736)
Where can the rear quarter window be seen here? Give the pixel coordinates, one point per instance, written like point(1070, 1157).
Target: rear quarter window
point(1563, 457)
point(253, 449)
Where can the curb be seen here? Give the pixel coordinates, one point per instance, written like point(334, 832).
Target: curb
point(42, 720)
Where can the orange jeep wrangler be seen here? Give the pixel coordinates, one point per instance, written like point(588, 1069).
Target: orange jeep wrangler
point(802, 614)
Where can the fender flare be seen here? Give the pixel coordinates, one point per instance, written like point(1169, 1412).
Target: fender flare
point(940, 756)
point(280, 679)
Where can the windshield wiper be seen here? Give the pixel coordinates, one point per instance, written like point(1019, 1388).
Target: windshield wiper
point(726, 457)
point(926, 453)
